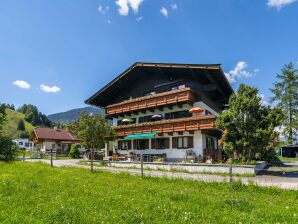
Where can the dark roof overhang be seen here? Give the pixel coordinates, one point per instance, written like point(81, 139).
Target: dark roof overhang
point(213, 72)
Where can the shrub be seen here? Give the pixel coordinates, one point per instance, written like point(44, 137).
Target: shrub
point(74, 152)
point(8, 149)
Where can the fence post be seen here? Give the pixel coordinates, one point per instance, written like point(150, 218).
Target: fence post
point(51, 157)
point(231, 173)
point(142, 165)
point(24, 155)
point(91, 162)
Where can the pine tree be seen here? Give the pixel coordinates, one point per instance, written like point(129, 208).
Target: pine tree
point(285, 93)
point(21, 125)
point(249, 126)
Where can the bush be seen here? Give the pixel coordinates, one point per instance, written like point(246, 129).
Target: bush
point(8, 149)
point(74, 152)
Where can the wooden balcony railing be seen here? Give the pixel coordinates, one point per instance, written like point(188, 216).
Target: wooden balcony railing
point(185, 95)
point(167, 126)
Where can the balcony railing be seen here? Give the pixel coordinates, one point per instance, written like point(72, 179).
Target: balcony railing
point(185, 95)
point(167, 126)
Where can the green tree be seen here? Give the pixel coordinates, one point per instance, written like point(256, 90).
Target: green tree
point(93, 131)
point(285, 93)
point(2, 116)
point(21, 125)
point(8, 149)
point(74, 152)
point(249, 126)
point(33, 116)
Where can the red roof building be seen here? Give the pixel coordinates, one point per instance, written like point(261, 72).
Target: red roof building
point(52, 138)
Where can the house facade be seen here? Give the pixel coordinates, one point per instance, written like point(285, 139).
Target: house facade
point(58, 140)
point(166, 109)
point(24, 143)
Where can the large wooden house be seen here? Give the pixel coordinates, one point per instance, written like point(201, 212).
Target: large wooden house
point(149, 107)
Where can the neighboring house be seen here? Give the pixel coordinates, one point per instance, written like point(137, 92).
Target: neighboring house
point(46, 139)
point(289, 151)
point(24, 143)
point(149, 107)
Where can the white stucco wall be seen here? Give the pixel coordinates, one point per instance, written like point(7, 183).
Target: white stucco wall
point(175, 154)
point(205, 106)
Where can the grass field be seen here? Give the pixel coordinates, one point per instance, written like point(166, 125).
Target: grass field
point(11, 124)
point(287, 159)
point(37, 193)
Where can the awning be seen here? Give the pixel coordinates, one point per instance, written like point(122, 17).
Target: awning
point(140, 136)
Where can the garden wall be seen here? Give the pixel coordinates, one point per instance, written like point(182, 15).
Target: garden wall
point(193, 167)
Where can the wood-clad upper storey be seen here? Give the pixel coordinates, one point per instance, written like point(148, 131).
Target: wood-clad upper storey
point(173, 97)
point(206, 80)
point(168, 126)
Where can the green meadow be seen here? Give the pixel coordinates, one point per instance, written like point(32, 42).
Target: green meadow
point(37, 193)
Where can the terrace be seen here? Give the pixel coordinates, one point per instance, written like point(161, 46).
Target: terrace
point(173, 97)
point(167, 126)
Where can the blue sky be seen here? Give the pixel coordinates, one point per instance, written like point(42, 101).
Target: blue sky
point(55, 54)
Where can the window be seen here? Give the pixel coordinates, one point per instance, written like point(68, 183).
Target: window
point(181, 114)
point(141, 144)
point(53, 146)
point(20, 143)
point(210, 143)
point(182, 142)
point(26, 144)
point(30, 144)
point(145, 119)
point(207, 112)
point(177, 114)
point(160, 143)
point(124, 145)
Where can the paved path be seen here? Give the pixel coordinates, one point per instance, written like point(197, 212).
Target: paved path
point(262, 180)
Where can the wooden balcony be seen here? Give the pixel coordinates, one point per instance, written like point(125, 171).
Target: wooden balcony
point(168, 126)
point(173, 97)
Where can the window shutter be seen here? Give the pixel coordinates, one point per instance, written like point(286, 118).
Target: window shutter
point(190, 142)
point(174, 142)
point(153, 140)
point(167, 143)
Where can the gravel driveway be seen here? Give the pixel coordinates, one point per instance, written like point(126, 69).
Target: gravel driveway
point(284, 182)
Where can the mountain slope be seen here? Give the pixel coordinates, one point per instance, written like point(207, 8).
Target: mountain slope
point(72, 115)
point(11, 124)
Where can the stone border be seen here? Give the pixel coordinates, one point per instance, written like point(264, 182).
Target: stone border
point(192, 167)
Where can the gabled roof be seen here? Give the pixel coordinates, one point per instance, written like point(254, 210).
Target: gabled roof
point(103, 93)
point(53, 134)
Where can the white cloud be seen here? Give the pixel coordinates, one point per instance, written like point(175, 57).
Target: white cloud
point(279, 3)
point(49, 89)
point(139, 18)
point(103, 9)
point(174, 6)
point(240, 72)
point(21, 84)
point(164, 11)
point(263, 100)
point(125, 5)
